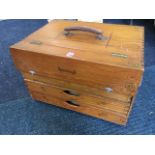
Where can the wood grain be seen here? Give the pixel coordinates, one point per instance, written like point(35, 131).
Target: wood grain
point(82, 98)
point(80, 72)
point(121, 80)
point(77, 87)
point(89, 110)
point(121, 39)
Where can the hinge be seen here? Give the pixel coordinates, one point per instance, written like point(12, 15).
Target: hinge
point(119, 55)
point(35, 42)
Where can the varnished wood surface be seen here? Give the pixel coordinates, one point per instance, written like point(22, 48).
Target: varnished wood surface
point(85, 109)
point(52, 62)
point(128, 40)
point(82, 98)
point(77, 87)
point(121, 80)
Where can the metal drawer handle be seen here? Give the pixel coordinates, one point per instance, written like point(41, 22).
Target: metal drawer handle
point(32, 72)
point(73, 103)
point(71, 92)
point(108, 89)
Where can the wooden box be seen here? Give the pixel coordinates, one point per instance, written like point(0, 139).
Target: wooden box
point(95, 69)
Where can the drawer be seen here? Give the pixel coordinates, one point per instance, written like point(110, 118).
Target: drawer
point(118, 79)
point(104, 114)
point(74, 86)
point(81, 98)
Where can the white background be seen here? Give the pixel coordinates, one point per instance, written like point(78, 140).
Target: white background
point(88, 9)
point(77, 145)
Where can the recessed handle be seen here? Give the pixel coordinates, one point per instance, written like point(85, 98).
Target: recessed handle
point(71, 92)
point(99, 33)
point(73, 103)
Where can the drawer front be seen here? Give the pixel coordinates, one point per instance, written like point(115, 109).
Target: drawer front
point(85, 109)
point(77, 87)
point(119, 80)
point(83, 99)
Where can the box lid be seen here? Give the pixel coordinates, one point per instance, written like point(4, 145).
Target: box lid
point(109, 44)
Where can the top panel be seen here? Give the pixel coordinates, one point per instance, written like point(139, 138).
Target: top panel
point(116, 45)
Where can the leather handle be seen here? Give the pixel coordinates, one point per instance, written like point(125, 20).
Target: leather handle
point(99, 34)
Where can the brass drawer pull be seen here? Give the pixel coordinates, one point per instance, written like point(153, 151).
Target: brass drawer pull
point(66, 70)
point(71, 92)
point(73, 103)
